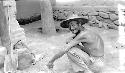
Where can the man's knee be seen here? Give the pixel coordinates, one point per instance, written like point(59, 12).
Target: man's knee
point(81, 53)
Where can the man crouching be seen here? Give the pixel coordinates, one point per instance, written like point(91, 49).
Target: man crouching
point(85, 50)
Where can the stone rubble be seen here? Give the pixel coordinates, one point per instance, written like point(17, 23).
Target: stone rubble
point(103, 15)
point(113, 17)
point(116, 22)
point(98, 16)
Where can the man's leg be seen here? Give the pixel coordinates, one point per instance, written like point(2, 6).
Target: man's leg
point(75, 62)
point(98, 65)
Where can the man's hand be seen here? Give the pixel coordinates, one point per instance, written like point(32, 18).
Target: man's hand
point(50, 65)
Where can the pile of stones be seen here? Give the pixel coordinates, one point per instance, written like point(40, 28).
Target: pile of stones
point(102, 17)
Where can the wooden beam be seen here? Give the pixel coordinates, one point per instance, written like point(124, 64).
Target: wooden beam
point(13, 34)
point(4, 28)
point(48, 26)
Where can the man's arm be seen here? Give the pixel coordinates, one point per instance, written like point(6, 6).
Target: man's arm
point(57, 56)
point(60, 54)
point(70, 38)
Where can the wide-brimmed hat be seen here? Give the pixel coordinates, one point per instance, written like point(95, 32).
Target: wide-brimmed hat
point(65, 23)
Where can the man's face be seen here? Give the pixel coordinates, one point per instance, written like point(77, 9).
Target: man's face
point(73, 26)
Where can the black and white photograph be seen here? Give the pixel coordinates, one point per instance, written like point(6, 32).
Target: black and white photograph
point(62, 36)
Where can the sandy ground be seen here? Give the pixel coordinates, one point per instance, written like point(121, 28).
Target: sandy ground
point(50, 45)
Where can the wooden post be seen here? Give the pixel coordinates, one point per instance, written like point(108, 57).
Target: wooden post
point(53, 3)
point(4, 28)
point(47, 20)
point(13, 34)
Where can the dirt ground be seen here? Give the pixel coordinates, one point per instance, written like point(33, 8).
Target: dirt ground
point(50, 45)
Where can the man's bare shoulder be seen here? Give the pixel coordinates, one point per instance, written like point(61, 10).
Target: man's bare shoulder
point(83, 35)
point(89, 33)
point(92, 33)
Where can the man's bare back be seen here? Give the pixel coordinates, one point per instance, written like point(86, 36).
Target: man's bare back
point(92, 43)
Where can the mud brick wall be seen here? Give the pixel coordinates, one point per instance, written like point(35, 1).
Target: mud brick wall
point(99, 16)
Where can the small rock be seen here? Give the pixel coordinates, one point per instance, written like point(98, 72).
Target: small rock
point(86, 11)
point(86, 17)
point(116, 22)
point(93, 13)
point(92, 18)
point(108, 12)
point(113, 17)
point(90, 24)
point(103, 15)
point(101, 9)
point(82, 13)
point(107, 21)
point(105, 25)
point(60, 14)
point(100, 24)
point(116, 12)
point(110, 26)
point(97, 21)
point(93, 24)
point(99, 18)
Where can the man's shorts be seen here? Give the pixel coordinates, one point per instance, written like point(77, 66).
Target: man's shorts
point(80, 60)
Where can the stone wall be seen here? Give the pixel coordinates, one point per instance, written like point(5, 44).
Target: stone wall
point(101, 13)
point(99, 16)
